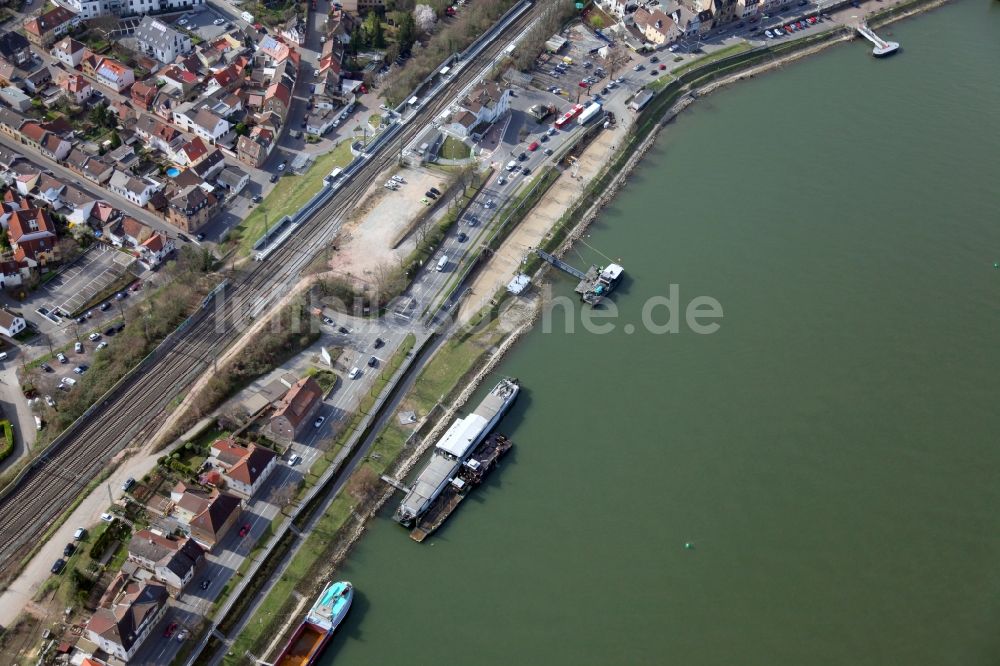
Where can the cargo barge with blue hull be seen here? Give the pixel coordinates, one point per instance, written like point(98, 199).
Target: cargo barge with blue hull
point(316, 630)
point(453, 449)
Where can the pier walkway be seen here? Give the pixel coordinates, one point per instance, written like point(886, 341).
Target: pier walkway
point(562, 265)
point(882, 47)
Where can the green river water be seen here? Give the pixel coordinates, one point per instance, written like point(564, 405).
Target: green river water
point(832, 452)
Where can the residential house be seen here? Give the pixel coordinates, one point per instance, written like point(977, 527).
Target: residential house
point(69, 52)
point(143, 95)
point(360, 7)
point(13, 273)
point(32, 235)
point(244, 467)
point(272, 51)
point(278, 99)
point(15, 98)
point(320, 121)
point(46, 28)
point(77, 205)
point(114, 74)
point(10, 323)
point(37, 80)
point(158, 40)
point(191, 152)
point(120, 628)
point(487, 102)
point(98, 170)
point(15, 49)
point(234, 179)
point(128, 232)
point(191, 208)
point(158, 134)
point(10, 122)
point(203, 122)
point(254, 148)
point(723, 11)
point(46, 142)
point(134, 189)
point(685, 19)
point(228, 79)
point(295, 31)
point(76, 88)
point(296, 409)
point(89, 9)
point(619, 7)
point(210, 165)
point(172, 561)
point(103, 214)
point(155, 249)
point(179, 79)
point(50, 190)
point(657, 28)
point(206, 518)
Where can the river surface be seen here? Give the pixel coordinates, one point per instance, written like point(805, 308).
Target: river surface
point(831, 454)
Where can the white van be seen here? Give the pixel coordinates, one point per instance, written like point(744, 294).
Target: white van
point(442, 262)
point(3, 356)
point(511, 165)
point(354, 373)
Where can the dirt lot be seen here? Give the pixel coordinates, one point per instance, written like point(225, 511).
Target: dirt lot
point(365, 243)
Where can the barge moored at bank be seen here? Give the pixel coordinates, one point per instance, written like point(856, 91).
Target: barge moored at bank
point(316, 630)
point(453, 449)
point(471, 474)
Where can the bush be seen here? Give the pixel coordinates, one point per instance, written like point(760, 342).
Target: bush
point(7, 443)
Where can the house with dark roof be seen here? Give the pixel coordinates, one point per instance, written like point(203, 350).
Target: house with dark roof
point(13, 273)
point(296, 409)
point(122, 626)
point(210, 165)
point(10, 122)
point(172, 561)
point(191, 207)
point(127, 232)
point(49, 26)
point(206, 517)
point(136, 190)
point(14, 48)
point(98, 170)
point(234, 179)
point(254, 148)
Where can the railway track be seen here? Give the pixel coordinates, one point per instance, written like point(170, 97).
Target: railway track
point(52, 484)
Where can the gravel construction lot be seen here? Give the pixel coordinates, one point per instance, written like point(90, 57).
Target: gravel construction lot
point(365, 242)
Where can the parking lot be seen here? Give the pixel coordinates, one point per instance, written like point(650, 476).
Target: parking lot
point(204, 22)
point(87, 277)
point(576, 63)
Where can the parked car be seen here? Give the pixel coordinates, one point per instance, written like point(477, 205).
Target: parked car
point(67, 381)
point(533, 146)
point(430, 195)
point(354, 373)
point(245, 530)
point(79, 534)
point(204, 584)
point(94, 337)
point(102, 345)
point(80, 369)
point(526, 171)
point(49, 401)
point(343, 329)
point(436, 191)
point(320, 420)
point(273, 178)
point(69, 549)
point(372, 362)
point(327, 321)
point(46, 367)
point(548, 151)
point(127, 484)
point(107, 517)
point(379, 342)
point(78, 347)
point(462, 237)
point(105, 306)
point(58, 566)
point(257, 198)
point(169, 631)
point(62, 357)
